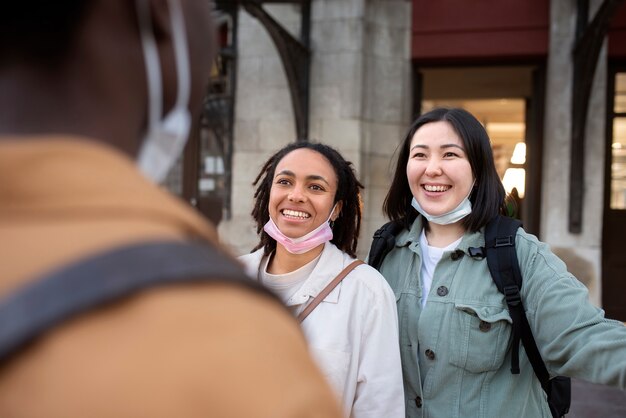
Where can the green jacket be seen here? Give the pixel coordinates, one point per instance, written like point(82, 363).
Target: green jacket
point(456, 352)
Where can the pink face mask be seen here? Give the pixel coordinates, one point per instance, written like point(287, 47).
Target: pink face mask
point(319, 235)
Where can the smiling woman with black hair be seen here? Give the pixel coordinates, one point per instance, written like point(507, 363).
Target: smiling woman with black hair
point(455, 326)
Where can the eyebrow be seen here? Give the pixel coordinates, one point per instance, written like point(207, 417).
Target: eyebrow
point(444, 146)
point(309, 177)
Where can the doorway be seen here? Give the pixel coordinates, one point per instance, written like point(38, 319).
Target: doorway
point(614, 222)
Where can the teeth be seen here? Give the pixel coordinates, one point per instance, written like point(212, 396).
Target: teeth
point(430, 188)
point(295, 213)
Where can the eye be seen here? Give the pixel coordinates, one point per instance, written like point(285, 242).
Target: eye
point(283, 182)
point(316, 187)
point(419, 155)
point(450, 154)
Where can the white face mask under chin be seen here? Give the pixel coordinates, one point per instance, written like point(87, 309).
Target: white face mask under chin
point(165, 138)
point(461, 211)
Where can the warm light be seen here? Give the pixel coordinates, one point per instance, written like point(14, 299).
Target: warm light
point(515, 177)
point(519, 154)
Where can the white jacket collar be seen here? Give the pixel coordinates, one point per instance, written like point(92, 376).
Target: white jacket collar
point(331, 263)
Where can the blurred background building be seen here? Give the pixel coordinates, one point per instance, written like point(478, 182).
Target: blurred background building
point(546, 77)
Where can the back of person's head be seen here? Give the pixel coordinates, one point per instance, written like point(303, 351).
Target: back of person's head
point(488, 194)
point(346, 229)
point(39, 32)
point(129, 73)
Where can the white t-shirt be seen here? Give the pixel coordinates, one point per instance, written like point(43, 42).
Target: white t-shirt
point(430, 258)
point(286, 285)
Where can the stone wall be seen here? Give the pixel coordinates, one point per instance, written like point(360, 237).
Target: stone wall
point(359, 103)
point(264, 118)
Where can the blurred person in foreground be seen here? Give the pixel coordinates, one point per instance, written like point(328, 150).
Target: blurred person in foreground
point(86, 87)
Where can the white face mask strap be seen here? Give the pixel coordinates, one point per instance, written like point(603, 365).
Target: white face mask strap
point(471, 189)
point(181, 53)
point(152, 64)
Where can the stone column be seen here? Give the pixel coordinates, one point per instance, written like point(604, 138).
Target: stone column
point(584, 247)
point(359, 104)
point(387, 103)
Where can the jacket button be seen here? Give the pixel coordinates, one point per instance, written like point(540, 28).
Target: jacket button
point(456, 255)
point(484, 326)
point(442, 290)
point(418, 402)
point(430, 354)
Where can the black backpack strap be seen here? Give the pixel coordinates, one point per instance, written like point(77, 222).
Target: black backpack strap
point(383, 241)
point(106, 277)
point(502, 260)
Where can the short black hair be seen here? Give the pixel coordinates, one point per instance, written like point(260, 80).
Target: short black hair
point(488, 195)
point(39, 31)
point(346, 231)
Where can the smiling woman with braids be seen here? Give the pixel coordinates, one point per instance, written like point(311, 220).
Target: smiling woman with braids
point(308, 214)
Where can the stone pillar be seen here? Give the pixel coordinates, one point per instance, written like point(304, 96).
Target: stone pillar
point(585, 247)
point(387, 103)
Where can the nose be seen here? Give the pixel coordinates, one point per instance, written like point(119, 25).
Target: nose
point(433, 168)
point(296, 195)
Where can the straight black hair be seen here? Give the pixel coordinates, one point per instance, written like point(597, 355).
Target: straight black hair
point(346, 229)
point(488, 196)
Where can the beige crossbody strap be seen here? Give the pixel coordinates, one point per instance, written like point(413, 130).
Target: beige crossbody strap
point(320, 297)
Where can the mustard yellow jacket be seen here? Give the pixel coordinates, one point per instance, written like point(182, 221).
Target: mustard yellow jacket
point(210, 350)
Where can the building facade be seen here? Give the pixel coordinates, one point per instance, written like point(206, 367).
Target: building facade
point(374, 64)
